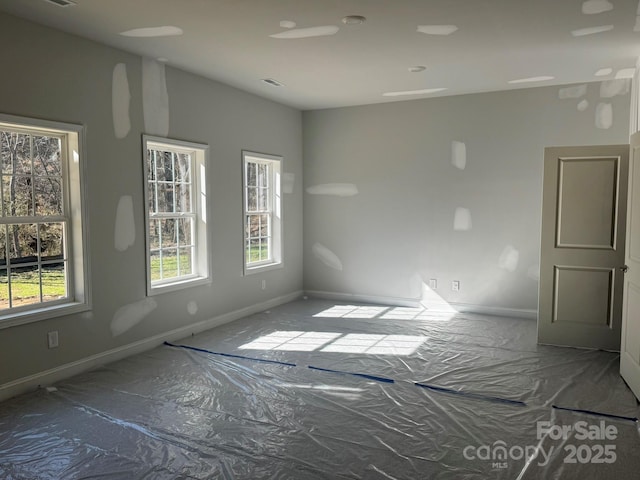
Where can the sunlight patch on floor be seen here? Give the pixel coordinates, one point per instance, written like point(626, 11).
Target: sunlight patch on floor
point(332, 342)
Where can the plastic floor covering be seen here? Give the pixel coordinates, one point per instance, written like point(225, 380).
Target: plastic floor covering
point(318, 390)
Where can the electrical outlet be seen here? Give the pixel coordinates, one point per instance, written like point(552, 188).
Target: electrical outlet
point(433, 283)
point(264, 284)
point(455, 285)
point(52, 339)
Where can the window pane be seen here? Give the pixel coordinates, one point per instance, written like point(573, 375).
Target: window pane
point(16, 153)
point(185, 226)
point(25, 286)
point(17, 195)
point(3, 246)
point(186, 259)
point(263, 199)
point(7, 140)
point(4, 289)
point(183, 200)
point(164, 167)
point(169, 233)
point(52, 241)
point(151, 197)
point(183, 167)
point(46, 156)
point(151, 165)
point(48, 191)
point(247, 227)
point(263, 171)
point(154, 263)
point(169, 263)
point(264, 225)
point(254, 226)
point(53, 282)
point(165, 198)
point(254, 250)
point(252, 199)
point(251, 174)
point(154, 234)
point(23, 243)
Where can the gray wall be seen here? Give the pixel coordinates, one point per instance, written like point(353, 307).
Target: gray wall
point(51, 75)
point(399, 229)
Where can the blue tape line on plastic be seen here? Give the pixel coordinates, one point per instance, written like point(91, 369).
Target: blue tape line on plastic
point(361, 375)
point(599, 414)
point(471, 395)
point(230, 355)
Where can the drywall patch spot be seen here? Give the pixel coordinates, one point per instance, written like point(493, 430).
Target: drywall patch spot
point(192, 307)
point(334, 189)
point(636, 27)
point(576, 91)
point(404, 93)
point(321, 31)
point(125, 231)
point(326, 256)
point(626, 73)
point(437, 29)
point(533, 272)
point(87, 316)
point(583, 105)
point(603, 72)
point(604, 116)
point(509, 259)
point(594, 7)
point(581, 32)
point(612, 88)
point(120, 99)
point(287, 24)
point(542, 78)
point(462, 220)
point(129, 316)
point(151, 32)
point(155, 99)
point(458, 155)
point(288, 182)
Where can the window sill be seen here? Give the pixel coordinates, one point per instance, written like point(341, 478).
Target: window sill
point(262, 268)
point(179, 285)
point(40, 314)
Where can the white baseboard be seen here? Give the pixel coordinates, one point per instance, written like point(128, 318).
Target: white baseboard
point(48, 377)
point(496, 311)
point(353, 297)
point(414, 302)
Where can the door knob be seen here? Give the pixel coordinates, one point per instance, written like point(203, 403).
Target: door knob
point(624, 269)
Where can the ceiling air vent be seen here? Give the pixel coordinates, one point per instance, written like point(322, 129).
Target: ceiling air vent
point(61, 3)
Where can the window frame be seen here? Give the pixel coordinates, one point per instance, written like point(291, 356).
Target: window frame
point(200, 235)
point(275, 202)
point(74, 216)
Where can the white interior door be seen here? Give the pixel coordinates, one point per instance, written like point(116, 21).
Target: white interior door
point(630, 347)
point(583, 237)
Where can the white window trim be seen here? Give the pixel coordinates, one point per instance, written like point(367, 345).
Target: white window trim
point(277, 237)
point(200, 153)
point(79, 272)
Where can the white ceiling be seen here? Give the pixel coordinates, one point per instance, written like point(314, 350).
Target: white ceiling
point(497, 41)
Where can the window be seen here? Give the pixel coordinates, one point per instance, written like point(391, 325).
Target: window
point(175, 189)
point(42, 256)
point(262, 212)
